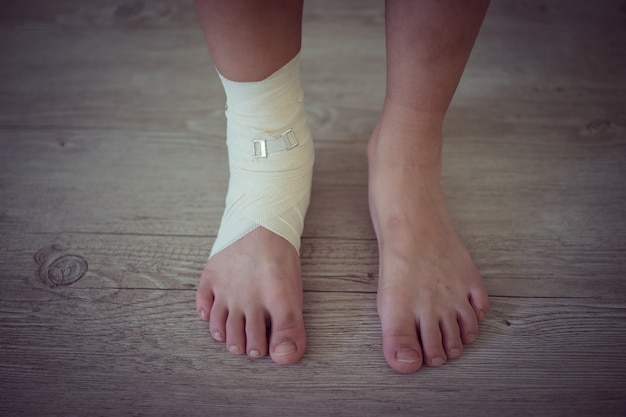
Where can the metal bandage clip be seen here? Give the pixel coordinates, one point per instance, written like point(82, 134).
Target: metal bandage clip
point(285, 142)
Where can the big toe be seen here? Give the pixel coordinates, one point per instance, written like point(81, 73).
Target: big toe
point(287, 337)
point(400, 344)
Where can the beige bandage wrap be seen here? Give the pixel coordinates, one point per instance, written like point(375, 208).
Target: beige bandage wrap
point(270, 152)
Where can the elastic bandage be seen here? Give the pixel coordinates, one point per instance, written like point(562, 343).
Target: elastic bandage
point(270, 153)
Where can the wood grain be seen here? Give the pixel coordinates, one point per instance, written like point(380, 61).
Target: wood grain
point(113, 176)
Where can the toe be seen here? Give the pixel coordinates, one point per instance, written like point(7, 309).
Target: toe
point(480, 301)
point(400, 343)
point(434, 354)
point(204, 300)
point(287, 337)
point(256, 334)
point(451, 335)
point(235, 335)
point(468, 324)
point(217, 325)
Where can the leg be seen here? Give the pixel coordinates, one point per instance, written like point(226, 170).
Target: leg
point(254, 284)
point(249, 40)
point(430, 295)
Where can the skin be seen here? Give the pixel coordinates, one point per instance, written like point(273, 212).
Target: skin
point(253, 287)
point(430, 296)
point(430, 293)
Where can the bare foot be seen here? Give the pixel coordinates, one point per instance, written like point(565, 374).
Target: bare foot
point(430, 294)
point(251, 289)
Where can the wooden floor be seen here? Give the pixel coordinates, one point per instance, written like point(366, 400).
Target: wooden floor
point(112, 179)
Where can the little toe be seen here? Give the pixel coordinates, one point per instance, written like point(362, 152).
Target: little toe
point(256, 334)
point(204, 301)
point(480, 301)
point(235, 335)
point(287, 337)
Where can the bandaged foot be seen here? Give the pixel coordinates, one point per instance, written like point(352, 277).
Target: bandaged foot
point(270, 153)
point(252, 282)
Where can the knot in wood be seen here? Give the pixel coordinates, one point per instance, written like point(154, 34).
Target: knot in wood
point(129, 9)
point(599, 126)
point(59, 269)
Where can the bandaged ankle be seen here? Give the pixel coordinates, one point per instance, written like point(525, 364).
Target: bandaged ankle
point(270, 152)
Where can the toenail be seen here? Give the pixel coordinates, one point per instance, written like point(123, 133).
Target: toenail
point(471, 337)
point(254, 353)
point(285, 348)
point(481, 315)
point(234, 349)
point(202, 314)
point(437, 361)
point(218, 336)
point(454, 352)
point(407, 356)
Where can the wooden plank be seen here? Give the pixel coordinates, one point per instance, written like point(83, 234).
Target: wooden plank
point(511, 268)
point(176, 184)
point(144, 351)
point(112, 155)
